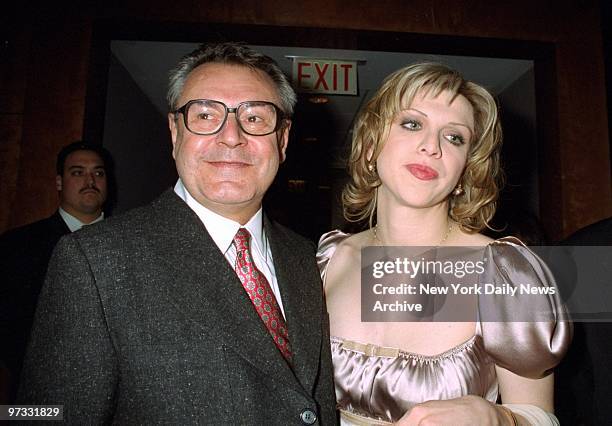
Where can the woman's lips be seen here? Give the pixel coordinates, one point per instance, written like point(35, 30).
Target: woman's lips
point(422, 172)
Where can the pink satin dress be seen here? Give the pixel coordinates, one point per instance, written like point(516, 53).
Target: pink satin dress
point(377, 385)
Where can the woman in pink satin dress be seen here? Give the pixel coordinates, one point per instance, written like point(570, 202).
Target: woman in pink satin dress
point(425, 171)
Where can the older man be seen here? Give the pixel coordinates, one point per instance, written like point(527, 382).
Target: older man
point(196, 308)
point(81, 183)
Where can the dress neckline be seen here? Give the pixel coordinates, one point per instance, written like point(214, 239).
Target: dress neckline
point(372, 350)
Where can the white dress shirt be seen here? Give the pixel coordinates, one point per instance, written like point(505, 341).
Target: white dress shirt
point(75, 224)
point(222, 230)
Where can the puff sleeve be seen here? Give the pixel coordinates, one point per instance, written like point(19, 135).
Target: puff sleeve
point(528, 332)
point(328, 243)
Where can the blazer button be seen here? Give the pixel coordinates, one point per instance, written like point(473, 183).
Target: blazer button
point(308, 417)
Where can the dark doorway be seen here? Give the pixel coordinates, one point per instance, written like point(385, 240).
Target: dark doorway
point(305, 195)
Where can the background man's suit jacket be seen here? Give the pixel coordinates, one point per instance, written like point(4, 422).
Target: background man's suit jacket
point(24, 256)
point(583, 380)
point(143, 320)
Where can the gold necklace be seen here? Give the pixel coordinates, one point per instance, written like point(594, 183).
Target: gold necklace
point(448, 232)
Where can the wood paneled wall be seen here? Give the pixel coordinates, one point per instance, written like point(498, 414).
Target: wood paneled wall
point(44, 81)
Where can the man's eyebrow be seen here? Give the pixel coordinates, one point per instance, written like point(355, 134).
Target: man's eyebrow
point(76, 166)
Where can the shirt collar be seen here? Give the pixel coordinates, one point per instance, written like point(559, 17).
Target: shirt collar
point(221, 229)
point(75, 224)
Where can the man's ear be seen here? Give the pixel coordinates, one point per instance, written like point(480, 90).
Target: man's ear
point(58, 182)
point(283, 140)
point(173, 132)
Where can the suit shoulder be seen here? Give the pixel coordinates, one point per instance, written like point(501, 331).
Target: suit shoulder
point(30, 231)
point(141, 227)
point(132, 222)
point(598, 233)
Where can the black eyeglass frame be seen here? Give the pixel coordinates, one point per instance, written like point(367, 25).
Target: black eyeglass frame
point(281, 117)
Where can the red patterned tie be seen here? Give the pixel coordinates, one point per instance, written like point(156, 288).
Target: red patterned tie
point(260, 292)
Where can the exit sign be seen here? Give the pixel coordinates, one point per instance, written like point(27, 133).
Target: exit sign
point(326, 76)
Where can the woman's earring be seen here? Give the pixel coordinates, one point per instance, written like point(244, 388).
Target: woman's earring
point(372, 168)
point(458, 190)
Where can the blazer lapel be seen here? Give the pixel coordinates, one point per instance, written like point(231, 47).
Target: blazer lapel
point(301, 291)
point(202, 284)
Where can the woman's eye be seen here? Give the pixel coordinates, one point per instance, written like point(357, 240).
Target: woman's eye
point(411, 125)
point(455, 139)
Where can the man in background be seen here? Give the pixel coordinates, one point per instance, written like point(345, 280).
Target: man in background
point(81, 182)
point(583, 381)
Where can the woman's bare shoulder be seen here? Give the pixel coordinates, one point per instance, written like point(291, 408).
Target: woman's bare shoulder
point(350, 248)
point(473, 239)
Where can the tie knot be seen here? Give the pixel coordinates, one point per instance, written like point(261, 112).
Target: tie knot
point(241, 239)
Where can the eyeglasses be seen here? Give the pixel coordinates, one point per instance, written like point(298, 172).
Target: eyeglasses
point(207, 117)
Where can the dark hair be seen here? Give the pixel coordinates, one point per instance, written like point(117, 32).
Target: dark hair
point(80, 146)
point(230, 53)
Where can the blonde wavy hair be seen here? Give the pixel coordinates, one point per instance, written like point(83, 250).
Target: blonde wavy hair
point(482, 176)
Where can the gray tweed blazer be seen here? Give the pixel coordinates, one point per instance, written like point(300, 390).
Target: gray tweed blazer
point(142, 320)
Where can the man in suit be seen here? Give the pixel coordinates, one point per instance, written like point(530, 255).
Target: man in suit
point(25, 251)
point(583, 381)
point(195, 309)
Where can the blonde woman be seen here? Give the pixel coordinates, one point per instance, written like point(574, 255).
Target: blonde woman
point(424, 171)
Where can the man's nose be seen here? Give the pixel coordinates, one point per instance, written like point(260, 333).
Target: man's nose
point(91, 179)
point(231, 134)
